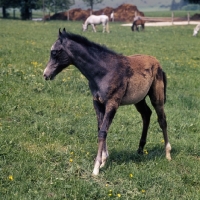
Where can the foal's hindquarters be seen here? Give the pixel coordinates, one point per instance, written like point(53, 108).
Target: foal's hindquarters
point(149, 79)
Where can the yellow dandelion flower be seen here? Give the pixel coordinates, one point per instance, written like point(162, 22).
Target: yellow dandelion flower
point(131, 175)
point(119, 195)
point(145, 152)
point(70, 160)
point(34, 63)
point(143, 191)
point(10, 178)
point(106, 185)
point(162, 141)
point(110, 193)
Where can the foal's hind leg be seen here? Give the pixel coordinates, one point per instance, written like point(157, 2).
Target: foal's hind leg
point(157, 100)
point(145, 112)
point(163, 125)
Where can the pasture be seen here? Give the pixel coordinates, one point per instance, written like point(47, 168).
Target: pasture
point(48, 130)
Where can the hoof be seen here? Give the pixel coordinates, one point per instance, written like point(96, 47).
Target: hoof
point(95, 175)
point(104, 161)
point(140, 152)
point(168, 157)
point(103, 164)
point(168, 149)
point(96, 168)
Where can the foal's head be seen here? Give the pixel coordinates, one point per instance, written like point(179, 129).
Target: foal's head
point(59, 57)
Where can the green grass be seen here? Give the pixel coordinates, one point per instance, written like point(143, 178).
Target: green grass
point(177, 13)
point(48, 130)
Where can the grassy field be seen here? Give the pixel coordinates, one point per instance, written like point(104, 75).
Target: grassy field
point(177, 13)
point(48, 130)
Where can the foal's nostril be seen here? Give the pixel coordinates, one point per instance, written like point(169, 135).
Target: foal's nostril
point(45, 77)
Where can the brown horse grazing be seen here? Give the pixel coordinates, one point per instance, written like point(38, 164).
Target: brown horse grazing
point(114, 80)
point(138, 21)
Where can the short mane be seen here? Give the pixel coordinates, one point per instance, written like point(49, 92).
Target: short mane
point(85, 42)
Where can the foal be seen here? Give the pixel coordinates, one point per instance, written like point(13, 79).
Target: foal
point(114, 80)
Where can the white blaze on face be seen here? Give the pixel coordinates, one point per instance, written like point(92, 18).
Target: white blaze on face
point(46, 69)
point(52, 48)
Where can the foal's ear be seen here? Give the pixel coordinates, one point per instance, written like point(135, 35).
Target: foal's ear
point(60, 36)
point(59, 33)
point(64, 31)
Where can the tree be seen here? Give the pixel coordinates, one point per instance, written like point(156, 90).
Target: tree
point(193, 1)
point(56, 5)
point(92, 2)
point(8, 4)
point(4, 4)
point(26, 8)
point(177, 6)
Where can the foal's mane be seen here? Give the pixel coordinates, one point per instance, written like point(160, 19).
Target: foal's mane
point(85, 42)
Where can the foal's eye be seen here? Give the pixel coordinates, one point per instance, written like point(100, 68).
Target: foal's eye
point(53, 53)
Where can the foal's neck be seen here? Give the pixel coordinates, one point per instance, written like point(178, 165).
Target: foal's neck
point(88, 65)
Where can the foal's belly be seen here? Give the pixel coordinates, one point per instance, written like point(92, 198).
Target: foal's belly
point(133, 98)
point(136, 91)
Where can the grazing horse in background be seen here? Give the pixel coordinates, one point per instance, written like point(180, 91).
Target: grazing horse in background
point(95, 20)
point(114, 80)
point(138, 21)
point(196, 30)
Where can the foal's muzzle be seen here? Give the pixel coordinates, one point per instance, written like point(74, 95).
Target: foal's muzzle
point(46, 77)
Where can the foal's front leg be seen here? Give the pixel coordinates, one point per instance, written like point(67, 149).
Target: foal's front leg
point(102, 153)
point(100, 112)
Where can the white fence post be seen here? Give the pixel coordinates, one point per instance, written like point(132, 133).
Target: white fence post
point(68, 15)
point(188, 17)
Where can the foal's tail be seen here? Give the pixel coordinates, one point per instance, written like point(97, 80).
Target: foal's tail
point(165, 85)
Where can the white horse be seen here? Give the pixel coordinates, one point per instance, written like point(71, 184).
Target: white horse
point(196, 30)
point(95, 20)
